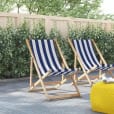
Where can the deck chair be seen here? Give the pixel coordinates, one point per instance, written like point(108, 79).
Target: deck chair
point(44, 56)
point(84, 51)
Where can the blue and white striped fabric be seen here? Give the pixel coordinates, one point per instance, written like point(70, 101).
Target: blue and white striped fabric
point(46, 58)
point(86, 52)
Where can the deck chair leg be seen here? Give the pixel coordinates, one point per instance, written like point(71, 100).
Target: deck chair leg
point(100, 74)
point(43, 87)
point(88, 79)
point(75, 78)
point(62, 77)
point(75, 84)
point(31, 71)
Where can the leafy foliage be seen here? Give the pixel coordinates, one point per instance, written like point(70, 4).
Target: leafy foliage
point(38, 32)
point(5, 5)
point(82, 8)
point(13, 55)
point(74, 8)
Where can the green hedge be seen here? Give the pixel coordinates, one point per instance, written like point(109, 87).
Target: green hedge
point(14, 55)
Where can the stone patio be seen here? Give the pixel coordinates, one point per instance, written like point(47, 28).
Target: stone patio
point(15, 99)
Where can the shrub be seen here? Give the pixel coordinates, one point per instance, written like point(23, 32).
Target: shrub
point(14, 55)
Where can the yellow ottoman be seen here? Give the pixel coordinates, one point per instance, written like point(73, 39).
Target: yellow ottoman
point(102, 97)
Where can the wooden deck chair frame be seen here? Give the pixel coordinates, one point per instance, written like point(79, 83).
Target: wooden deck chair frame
point(85, 74)
point(41, 78)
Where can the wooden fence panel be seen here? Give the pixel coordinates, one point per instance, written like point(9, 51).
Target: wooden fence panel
point(62, 24)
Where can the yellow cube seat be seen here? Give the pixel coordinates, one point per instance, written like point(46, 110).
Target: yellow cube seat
point(102, 97)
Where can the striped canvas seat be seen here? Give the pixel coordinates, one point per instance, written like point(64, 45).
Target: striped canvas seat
point(46, 58)
point(87, 54)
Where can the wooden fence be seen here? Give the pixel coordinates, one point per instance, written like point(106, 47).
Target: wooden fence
point(62, 24)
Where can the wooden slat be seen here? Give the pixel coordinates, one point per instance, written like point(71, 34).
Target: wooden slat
point(31, 71)
point(40, 89)
point(63, 96)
